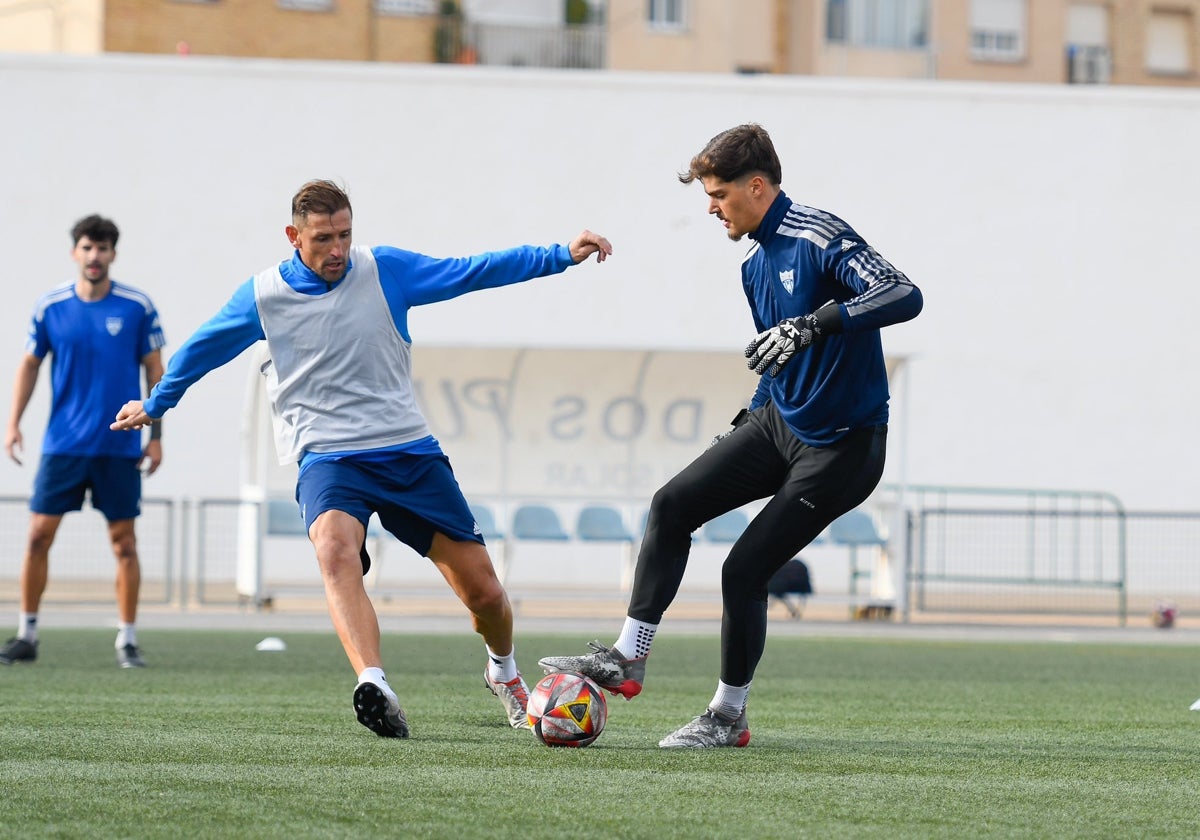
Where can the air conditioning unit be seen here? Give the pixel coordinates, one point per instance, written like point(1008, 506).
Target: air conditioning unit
point(1089, 65)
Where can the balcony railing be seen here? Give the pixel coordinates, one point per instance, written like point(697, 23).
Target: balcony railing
point(572, 46)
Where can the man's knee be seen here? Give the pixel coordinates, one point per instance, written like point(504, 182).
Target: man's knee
point(485, 595)
point(337, 559)
point(42, 530)
point(669, 507)
point(123, 541)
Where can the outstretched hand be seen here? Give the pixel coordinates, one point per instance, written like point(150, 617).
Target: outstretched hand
point(588, 243)
point(131, 417)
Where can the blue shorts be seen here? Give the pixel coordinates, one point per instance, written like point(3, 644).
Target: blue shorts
point(415, 496)
point(63, 480)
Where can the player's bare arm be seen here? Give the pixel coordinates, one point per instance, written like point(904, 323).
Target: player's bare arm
point(588, 243)
point(23, 384)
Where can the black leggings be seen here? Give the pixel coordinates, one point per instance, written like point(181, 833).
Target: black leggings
point(809, 487)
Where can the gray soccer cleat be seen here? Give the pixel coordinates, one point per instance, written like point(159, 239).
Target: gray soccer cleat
point(607, 667)
point(18, 650)
point(380, 711)
point(514, 696)
point(130, 656)
point(710, 730)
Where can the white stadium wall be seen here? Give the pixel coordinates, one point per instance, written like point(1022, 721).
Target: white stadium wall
point(557, 423)
point(1049, 228)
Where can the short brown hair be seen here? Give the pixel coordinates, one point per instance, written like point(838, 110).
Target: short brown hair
point(738, 151)
point(319, 197)
point(96, 228)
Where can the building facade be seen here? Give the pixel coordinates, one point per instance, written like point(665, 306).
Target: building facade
point(1128, 42)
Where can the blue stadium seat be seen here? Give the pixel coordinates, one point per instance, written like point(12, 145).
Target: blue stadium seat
point(855, 529)
point(284, 520)
point(601, 523)
point(537, 522)
point(486, 521)
point(493, 536)
point(727, 527)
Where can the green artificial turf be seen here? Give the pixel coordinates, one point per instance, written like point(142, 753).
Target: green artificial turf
point(851, 738)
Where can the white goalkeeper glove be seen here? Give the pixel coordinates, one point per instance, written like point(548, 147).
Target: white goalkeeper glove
point(778, 344)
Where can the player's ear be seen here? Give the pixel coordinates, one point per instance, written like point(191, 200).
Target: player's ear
point(293, 235)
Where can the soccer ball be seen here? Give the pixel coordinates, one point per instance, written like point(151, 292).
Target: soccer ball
point(1164, 615)
point(567, 710)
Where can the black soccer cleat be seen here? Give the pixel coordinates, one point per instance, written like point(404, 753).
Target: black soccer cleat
point(379, 713)
point(18, 650)
point(130, 656)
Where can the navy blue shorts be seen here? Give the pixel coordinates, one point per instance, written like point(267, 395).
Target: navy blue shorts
point(63, 480)
point(414, 495)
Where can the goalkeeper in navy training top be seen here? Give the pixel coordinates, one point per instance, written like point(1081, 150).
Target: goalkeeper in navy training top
point(812, 439)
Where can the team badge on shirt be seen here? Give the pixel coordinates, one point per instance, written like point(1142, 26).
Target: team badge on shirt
point(113, 325)
point(788, 279)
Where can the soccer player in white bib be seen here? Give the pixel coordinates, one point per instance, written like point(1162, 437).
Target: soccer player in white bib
point(101, 336)
point(335, 319)
point(811, 440)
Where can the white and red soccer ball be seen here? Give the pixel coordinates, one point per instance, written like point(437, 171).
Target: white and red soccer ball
point(567, 710)
point(1164, 614)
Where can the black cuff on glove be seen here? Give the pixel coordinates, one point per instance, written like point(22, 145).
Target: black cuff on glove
point(828, 319)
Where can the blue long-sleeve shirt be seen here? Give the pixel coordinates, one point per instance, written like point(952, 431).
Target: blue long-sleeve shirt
point(802, 259)
point(408, 279)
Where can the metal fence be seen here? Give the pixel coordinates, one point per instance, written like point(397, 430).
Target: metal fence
point(1011, 560)
point(1031, 552)
point(82, 569)
point(576, 46)
point(966, 551)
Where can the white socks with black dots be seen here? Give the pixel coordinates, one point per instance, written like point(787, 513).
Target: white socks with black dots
point(635, 638)
point(730, 700)
point(502, 668)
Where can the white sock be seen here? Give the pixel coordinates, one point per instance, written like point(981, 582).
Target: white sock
point(375, 675)
point(635, 638)
point(126, 634)
point(730, 700)
point(27, 628)
point(502, 668)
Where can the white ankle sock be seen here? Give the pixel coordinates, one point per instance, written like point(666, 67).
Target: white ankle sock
point(374, 675)
point(27, 627)
point(502, 668)
point(126, 634)
point(730, 700)
point(635, 638)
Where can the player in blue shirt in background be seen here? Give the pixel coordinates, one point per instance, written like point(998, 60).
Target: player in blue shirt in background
point(335, 319)
point(101, 336)
point(812, 439)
